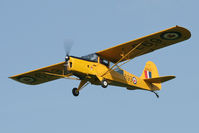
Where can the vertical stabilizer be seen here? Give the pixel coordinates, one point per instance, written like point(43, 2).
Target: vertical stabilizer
point(151, 71)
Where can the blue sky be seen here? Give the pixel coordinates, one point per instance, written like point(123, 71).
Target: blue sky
point(32, 34)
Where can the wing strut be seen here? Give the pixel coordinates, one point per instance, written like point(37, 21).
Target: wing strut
point(123, 57)
point(62, 76)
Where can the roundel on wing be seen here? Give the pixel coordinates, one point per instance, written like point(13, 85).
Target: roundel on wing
point(26, 79)
point(170, 35)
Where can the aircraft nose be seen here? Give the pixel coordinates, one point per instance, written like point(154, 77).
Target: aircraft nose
point(67, 58)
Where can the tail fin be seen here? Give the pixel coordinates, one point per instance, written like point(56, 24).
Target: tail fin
point(150, 71)
point(151, 76)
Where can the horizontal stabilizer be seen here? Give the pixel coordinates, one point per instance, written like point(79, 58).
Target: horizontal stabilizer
point(159, 79)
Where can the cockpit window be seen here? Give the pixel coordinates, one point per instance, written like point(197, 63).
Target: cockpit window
point(119, 70)
point(103, 61)
point(91, 57)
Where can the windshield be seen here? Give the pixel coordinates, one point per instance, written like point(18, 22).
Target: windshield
point(90, 57)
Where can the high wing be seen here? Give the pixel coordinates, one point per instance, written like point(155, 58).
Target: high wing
point(149, 43)
point(41, 75)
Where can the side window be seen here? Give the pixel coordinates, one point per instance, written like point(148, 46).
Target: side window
point(105, 62)
point(119, 71)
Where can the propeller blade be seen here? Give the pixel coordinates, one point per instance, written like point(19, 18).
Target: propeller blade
point(68, 45)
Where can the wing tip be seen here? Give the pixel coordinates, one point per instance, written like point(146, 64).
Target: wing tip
point(172, 76)
point(185, 31)
point(23, 80)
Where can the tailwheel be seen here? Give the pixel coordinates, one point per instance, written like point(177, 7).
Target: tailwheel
point(104, 83)
point(75, 92)
point(156, 94)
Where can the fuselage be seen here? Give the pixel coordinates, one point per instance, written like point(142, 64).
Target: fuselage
point(93, 71)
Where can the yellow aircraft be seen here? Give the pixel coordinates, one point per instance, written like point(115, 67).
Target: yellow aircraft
point(103, 67)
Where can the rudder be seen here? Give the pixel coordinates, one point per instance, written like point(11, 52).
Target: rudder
point(151, 71)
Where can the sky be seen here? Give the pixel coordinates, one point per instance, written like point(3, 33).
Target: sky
point(32, 34)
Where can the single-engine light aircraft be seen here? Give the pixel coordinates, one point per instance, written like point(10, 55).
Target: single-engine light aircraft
point(104, 67)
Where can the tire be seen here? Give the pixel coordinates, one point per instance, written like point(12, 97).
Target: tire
point(104, 83)
point(75, 92)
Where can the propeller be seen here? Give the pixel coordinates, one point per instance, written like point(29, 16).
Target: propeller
point(67, 47)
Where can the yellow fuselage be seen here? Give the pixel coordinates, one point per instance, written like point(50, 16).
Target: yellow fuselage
point(93, 72)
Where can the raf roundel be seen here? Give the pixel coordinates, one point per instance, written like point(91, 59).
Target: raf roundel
point(134, 80)
point(170, 35)
point(26, 79)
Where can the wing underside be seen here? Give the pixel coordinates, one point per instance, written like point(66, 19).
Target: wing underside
point(41, 75)
point(149, 43)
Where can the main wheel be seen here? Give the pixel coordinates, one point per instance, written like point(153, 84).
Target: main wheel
point(75, 92)
point(104, 83)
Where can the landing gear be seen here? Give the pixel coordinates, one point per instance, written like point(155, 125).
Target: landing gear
point(104, 83)
point(156, 94)
point(82, 84)
point(75, 92)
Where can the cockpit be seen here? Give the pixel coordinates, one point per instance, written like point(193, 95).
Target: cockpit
point(91, 57)
point(95, 58)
